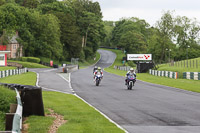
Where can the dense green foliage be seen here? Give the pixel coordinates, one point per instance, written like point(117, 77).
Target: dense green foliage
point(30, 59)
point(53, 29)
point(7, 97)
point(108, 27)
point(172, 37)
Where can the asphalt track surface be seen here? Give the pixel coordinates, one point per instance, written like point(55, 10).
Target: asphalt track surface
point(148, 108)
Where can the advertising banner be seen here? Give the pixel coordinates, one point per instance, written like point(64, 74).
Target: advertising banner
point(147, 57)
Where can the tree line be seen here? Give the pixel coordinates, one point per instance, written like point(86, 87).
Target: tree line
point(171, 38)
point(54, 29)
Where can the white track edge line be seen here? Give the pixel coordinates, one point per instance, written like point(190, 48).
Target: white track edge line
point(102, 114)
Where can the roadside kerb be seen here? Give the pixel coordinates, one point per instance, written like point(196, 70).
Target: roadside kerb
point(168, 74)
point(191, 75)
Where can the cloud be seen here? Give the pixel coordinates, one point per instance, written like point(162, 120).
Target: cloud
point(150, 10)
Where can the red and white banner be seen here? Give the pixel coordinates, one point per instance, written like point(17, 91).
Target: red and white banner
point(139, 57)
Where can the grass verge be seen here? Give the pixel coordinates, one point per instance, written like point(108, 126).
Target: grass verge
point(180, 70)
point(80, 116)
point(3, 68)
point(28, 78)
point(29, 64)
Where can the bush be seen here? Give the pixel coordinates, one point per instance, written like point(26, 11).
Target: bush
point(2, 121)
point(30, 59)
point(7, 96)
point(24, 59)
point(131, 63)
point(33, 59)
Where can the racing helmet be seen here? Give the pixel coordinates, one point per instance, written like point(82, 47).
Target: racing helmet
point(131, 69)
point(99, 68)
point(95, 67)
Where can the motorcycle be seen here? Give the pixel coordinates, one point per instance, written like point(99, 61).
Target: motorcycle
point(130, 82)
point(98, 79)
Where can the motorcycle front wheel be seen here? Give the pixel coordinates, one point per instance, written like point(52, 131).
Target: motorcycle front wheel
point(97, 82)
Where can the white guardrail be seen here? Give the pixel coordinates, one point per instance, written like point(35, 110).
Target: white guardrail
point(7, 73)
point(164, 73)
point(124, 68)
point(17, 119)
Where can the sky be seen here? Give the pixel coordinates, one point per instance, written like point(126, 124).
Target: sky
point(149, 10)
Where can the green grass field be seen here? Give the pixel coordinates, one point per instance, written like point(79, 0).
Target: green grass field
point(29, 64)
point(28, 78)
point(80, 116)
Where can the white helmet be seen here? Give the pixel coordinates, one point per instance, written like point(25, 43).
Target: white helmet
point(131, 69)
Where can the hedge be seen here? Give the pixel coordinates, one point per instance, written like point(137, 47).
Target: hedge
point(31, 59)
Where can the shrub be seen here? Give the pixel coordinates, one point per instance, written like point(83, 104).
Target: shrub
point(131, 63)
point(7, 96)
point(33, 59)
point(24, 59)
point(2, 121)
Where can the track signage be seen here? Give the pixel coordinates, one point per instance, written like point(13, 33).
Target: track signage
point(139, 57)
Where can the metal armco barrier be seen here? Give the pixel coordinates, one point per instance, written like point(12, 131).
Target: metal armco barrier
point(124, 68)
point(29, 99)
point(7, 73)
point(17, 120)
point(168, 74)
point(191, 75)
point(70, 68)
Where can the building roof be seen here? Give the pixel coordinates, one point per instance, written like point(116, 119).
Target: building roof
point(14, 39)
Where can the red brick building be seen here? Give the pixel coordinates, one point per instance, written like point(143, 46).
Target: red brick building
point(14, 47)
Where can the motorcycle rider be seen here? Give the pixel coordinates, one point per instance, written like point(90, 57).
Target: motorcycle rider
point(131, 72)
point(98, 71)
point(95, 68)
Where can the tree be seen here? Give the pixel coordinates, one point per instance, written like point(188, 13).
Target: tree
point(89, 20)
point(165, 31)
point(131, 34)
point(38, 34)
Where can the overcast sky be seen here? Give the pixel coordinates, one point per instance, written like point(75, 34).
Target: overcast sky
point(150, 10)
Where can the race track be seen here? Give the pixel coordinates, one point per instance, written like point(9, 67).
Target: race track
point(148, 108)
